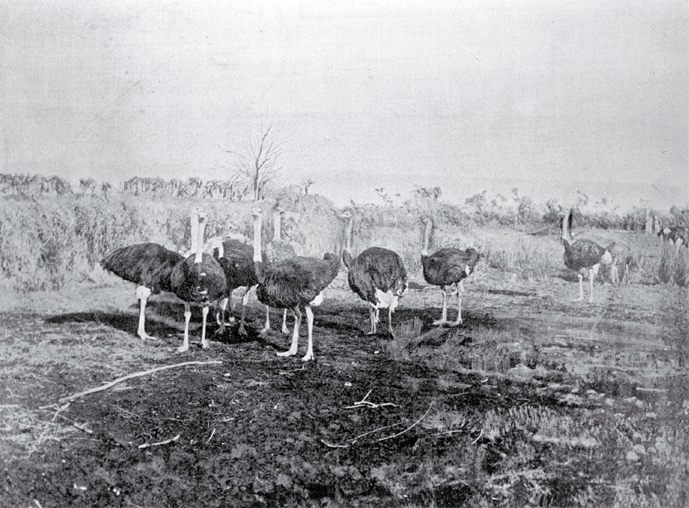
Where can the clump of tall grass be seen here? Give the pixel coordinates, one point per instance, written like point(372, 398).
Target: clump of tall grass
point(529, 257)
point(673, 265)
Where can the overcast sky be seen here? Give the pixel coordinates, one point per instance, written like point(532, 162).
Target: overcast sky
point(366, 94)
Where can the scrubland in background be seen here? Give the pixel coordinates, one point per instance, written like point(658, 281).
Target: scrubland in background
point(47, 241)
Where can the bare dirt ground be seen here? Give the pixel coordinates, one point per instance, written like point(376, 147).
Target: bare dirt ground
point(535, 401)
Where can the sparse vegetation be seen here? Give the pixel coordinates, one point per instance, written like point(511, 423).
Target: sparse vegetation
point(46, 242)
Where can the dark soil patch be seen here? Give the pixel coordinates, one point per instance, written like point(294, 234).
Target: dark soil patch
point(374, 421)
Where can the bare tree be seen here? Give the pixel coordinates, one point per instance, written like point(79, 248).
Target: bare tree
point(259, 161)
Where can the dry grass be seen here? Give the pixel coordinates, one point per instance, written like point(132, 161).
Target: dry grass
point(24, 432)
point(47, 242)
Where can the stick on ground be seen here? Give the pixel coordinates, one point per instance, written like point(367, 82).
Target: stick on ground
point(159, 443)
point(131, 376)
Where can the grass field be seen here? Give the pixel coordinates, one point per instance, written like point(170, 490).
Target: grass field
point(535, 400)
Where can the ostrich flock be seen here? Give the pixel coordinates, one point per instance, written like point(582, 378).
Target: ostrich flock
point(211, 271)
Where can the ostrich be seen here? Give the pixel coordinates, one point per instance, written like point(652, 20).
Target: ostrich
point(377, 275)
point(148, 265)
point(237, 261)
point(582, 254)
point(296, 283)
point(621, 254)
point(677, 235)
point(447, 267)
point(278, 250)
point(197, 279)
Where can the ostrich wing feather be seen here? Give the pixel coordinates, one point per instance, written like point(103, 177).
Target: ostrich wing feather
point(202, 282)
point(293, 282)
point(377, 269)
point(146, 264)
point(448, 266)
point(237, 263)
point(582, 254)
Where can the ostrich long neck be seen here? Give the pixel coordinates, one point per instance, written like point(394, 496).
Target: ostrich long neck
point(347, 251)
point(277, 226)
point(194, 232)
point(198, 252)
point(567, 237)
point(427, 237)
point(348, 234)
point(258, 258)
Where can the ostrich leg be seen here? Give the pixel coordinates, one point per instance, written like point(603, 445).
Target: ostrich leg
point(295, 335)
point(443, 316)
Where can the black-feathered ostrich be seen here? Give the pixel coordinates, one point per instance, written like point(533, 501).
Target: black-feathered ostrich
point(621, 255)
point(237, 261)
point(296, 283)
point(377, 275)
point(199, 279)
point(277, 250)
point(582, 255)
point(446, 268)
point(148, 265)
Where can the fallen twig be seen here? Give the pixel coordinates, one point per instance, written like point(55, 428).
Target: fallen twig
point(131, 376)
point(167, 441)
point(353, 441)
point(211, 436)
point(408, 429)
point(360, 436)
point(364, 403)
point(336, 445)
point(653, 390)
point(283, 372)
point(479, 437)
point(81, 426)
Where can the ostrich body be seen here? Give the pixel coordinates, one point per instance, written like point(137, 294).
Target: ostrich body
point(237, 261)
point(582, 255)
point(296, 283)
point(148, 265)
point(377, 275)
point(446, 268)
point(198, 279)
point(621, 255)
point(277, 250)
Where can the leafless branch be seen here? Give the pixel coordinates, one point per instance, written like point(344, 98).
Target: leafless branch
point(364, 403)
point(131, 376)
point(353, 441)
point(159, 443)
point(408, 429)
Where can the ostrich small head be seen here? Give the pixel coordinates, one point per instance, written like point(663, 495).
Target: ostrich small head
point(201, 214)
point(256, 212)
point(346, 215)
